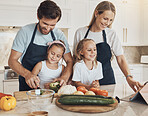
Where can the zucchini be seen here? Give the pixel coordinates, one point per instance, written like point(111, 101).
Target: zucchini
point(94, 96)
point(85, 101)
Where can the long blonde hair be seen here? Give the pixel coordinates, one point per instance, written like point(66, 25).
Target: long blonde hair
point(100, 8)
point(79, 48)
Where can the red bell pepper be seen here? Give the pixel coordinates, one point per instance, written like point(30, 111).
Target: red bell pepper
point(2, 95)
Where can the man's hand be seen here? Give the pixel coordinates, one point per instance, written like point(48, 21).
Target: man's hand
point(32, 80)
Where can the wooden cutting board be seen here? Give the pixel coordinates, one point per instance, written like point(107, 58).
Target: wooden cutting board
point(22, 96)
point(88, 108)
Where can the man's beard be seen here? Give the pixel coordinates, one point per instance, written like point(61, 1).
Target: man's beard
point(41, 28)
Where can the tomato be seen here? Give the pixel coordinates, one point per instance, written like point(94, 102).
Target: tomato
point(102, 92)
point(94, 90)
point(82, 89)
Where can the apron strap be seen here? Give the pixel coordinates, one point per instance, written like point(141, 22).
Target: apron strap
point(87, 31)
point(104, 35)
point(34, 32)
point(52, 35)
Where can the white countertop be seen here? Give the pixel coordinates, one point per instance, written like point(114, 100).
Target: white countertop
point(124, 108)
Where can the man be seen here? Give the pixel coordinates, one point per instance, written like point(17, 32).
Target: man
point(30, 45)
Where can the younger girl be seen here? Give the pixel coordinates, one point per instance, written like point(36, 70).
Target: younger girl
point(50, 69)
point(87, 70)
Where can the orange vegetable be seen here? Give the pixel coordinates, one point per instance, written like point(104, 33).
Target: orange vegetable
point(82, 89)
point(94, 90)
point(102, 92)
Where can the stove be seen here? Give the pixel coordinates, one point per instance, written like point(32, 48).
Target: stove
point(9, 73)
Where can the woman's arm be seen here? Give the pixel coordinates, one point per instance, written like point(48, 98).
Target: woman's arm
point(125, 69)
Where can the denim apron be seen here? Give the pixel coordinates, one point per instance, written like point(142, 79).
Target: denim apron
point(34, 54)
point(104, 56)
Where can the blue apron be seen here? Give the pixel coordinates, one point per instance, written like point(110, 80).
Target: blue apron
point(104, 56)
point(34, 54)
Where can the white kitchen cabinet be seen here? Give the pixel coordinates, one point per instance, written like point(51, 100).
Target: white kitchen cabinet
point(119, 77)
point(136, 72)
point(145, 23)
point(128, 21)
point(11, 86)
point(79, 14)
point(145, 73)
point(12, 15)
point(1, 80)
point(22, 12)
point(65, 21)
point(63, 3)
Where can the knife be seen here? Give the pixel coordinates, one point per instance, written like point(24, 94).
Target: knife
point(52, 98)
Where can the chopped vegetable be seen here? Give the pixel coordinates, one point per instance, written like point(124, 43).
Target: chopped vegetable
point(55, 86)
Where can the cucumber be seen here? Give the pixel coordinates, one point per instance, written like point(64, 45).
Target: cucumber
point(85, 101)
point(96, 96)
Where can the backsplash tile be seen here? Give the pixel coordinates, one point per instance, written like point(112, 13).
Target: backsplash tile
point(132, 54)
point(6, 39)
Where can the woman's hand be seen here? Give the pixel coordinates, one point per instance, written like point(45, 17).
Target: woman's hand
point(32, 80)
point(132, 83)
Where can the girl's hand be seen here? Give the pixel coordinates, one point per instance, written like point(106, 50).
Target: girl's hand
point(62, 81)
point(95, 84)
point(132, 83)
point(46, 85)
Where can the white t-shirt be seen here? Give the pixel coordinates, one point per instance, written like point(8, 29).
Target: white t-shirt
point(86, 76)
point(111, 38)
point(47, 75)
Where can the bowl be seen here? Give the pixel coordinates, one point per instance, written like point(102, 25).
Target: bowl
point(40, 97)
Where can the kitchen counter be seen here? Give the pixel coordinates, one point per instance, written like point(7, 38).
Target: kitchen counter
point(124, 108)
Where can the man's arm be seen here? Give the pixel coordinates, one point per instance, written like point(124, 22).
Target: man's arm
point(18, 68)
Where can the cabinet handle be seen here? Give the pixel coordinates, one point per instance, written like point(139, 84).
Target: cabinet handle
point(123, 35)
point(126, 34)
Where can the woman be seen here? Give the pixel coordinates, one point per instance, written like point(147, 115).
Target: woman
point(106, 41)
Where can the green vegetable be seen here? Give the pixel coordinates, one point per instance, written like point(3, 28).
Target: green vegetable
point(95, 96)
point(41, 92)
point(81, 100)
point(55, 86)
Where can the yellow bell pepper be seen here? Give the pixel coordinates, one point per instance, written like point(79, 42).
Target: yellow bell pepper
point(7, 103)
